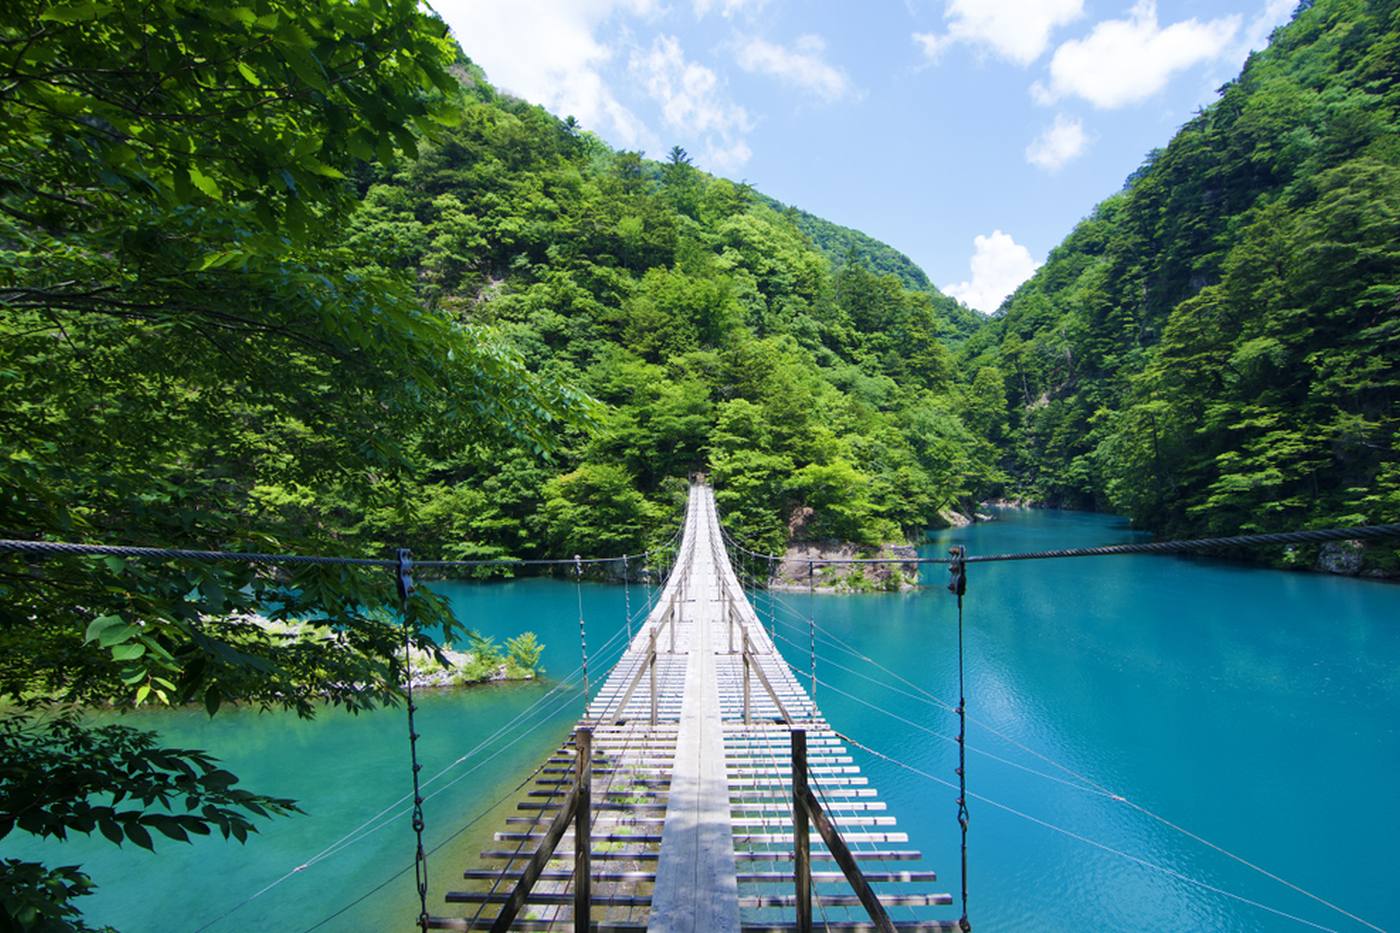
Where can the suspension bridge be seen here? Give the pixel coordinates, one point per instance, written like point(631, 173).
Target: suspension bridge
point(700, 790)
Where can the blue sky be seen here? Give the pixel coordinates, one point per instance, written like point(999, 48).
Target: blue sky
point(970, 134)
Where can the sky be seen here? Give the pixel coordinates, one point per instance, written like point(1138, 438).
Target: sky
point(969, 134)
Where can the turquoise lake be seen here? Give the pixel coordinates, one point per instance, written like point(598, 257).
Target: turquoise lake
point(1257, 709)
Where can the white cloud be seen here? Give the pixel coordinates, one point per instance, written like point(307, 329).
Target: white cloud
point(1123, 61)
point(691, 101)
point(999, 265)
point(549, 53)
point(728, 8)
point(801, 66)
point(1060, 143)
point(726, 158)
point(1016, 30)
point(1274, 15)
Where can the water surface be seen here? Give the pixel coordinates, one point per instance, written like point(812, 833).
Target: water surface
point(1256, 708)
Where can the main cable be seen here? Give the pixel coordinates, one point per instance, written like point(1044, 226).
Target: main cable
point(1087, 840)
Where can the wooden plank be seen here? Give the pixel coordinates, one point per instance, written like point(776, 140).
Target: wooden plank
point(858, 926)
point(865, 895)
point(696, 890)
point(786, 877)
point(516, 899)
point(896, 855)
point(556, 898)
point(554, 874)
point(636, 855)
point(754, 902)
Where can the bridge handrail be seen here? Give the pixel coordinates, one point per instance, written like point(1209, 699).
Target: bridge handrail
point(806, 808)
point(752, 665)
point(577, 808)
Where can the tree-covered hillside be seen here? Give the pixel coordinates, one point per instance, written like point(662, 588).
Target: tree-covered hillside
point(843, 245)
point(1217, 347)
point(713, 332)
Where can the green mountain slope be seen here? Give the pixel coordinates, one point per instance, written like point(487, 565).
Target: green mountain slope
point(713, 331)
point(1217, 347)
point(842, 245)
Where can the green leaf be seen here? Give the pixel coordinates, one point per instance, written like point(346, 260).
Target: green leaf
point(111, 830)
point(99, 625)
point(142, 692)
point(321, 168)
point(115, 634)
point(205, 184)
point(69, 13)
point(128, 652)
point(138, 834)
point(249, 75)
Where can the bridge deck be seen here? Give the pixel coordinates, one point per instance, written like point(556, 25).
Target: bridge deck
point(692, 820)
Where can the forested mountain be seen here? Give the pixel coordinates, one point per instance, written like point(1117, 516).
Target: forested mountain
point(712, 331)
point(843, 245)
point(1217, 347)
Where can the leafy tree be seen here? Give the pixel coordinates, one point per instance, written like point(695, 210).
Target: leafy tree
point(1214, 349)
point(191, 357)
point(595, 506)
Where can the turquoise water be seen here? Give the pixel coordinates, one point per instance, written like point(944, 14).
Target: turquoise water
point(1255, 708)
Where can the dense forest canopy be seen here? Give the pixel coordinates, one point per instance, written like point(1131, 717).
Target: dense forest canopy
point(714, 331)
point(1217, 347)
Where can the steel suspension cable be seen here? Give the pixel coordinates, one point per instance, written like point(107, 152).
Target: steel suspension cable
point(363, 830)
point(957, 584)
point(420, 858)
point(1176, 546)
point(1099, 787)
point(1087, 840)
point(389, 880)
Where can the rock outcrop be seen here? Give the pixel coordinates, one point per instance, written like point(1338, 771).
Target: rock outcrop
point(817, 564)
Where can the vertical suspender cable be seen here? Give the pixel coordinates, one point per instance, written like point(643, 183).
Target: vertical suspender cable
point(582, 632)
point(812, 621)
point(646, 578)
point(627, 597)
point(957, 584)
point(420, 858)
point(772, 602)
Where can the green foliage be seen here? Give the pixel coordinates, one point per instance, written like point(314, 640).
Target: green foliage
point(61, 777)
point(192, 353)
point(36, 899)
point(839, 494)
point(1217, 348)
point(523, 654)
point(713, 332)
point(595, 505)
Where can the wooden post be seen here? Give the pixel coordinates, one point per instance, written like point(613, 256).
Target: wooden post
point(729, 614)
point(583, 834)
point(651, 662)
point(802, 844)
point(747, 662)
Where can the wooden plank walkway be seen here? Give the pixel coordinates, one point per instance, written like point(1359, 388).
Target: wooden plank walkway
point(692, 819)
